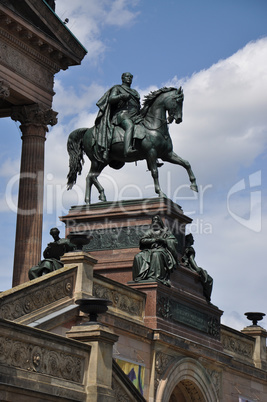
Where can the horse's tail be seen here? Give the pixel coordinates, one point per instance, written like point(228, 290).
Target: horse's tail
point(75, 150)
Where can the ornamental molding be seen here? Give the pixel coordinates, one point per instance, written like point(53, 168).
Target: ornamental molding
point(34, 114)
point(115, 238)
point(41, 359)
point(19, 306)
point(4, 89)
point(33, 42)
point(30, 52)
point(162, 362)
point(244, 348)
point(120, 300)
point(216, 379)
point(119, 393)
point(192, 391)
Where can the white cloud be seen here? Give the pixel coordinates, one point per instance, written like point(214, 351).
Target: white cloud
point(9, 167)
point(70, 101)
point(87, 18)
point(225, 114)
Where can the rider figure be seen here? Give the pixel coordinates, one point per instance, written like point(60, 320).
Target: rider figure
point(119, 106)
point(125, 107)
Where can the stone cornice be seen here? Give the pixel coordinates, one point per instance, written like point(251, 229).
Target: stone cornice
point(35, 43)
point(4, 89)
point(35, 55)
point(59, 29)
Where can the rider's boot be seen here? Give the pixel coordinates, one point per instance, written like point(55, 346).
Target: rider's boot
point(129, 150)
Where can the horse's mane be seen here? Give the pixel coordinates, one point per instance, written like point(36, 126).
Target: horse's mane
point(149, 99)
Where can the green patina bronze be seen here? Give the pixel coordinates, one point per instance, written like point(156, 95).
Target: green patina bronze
point(52, 254)
point(188, 260)
point(158, 255)
point(119, 238)
point(124, 132)
point(173, 310)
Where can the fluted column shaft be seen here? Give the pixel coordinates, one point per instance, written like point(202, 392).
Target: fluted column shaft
point(28, 242)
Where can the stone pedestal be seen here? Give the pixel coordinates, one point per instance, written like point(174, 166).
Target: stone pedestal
point(99, 374)
point(116, 228)
point(84, 278)
point(259, 354)
point(181, 310)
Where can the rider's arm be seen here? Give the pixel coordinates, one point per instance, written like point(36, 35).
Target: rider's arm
point(115, 96)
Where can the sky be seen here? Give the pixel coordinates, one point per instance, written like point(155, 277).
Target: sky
point(217, 51)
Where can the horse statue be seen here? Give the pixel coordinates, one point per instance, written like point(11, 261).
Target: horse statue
point(151, 141)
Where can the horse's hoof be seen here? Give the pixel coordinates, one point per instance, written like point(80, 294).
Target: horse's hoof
point(102, 197)
point(194, 187)
point(162, 195)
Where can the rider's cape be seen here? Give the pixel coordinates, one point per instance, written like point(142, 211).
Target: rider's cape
point(103, 129)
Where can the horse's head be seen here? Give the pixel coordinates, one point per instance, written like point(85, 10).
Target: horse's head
point(174, 105)
point(162, 100)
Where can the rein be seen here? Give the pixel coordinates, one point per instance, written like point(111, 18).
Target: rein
point(165, 121)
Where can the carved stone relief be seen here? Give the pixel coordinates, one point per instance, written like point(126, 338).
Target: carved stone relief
point(192, 391)
point(40, 359)
point(4, 89)
point(237, 346)
point(216, 380)
point(120, 301)
point(119, 392)
point(34, 114)
point(21, 64)
point(161, 364)
point(187, 384)
point(115, 238)
point(14, 309)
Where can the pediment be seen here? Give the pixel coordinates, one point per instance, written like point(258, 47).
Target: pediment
point(37, 25)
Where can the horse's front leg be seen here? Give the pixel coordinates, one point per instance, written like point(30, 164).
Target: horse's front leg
point(172, 157)
point(152, 166)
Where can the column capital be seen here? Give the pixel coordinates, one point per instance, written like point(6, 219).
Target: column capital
point(34, 115)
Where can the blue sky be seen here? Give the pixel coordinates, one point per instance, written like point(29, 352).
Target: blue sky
point(218, 52)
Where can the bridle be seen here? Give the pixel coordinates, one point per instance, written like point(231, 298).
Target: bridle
point(165, 121)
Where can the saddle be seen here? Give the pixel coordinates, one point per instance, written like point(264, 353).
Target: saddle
point(118, 133)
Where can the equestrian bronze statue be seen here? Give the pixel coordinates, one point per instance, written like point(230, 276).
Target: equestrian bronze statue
point(147, 137)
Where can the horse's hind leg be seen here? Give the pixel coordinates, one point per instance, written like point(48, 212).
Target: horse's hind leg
point(95, 170)
point(172, 157)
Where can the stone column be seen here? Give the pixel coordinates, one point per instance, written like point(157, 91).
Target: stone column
point(34, 121)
